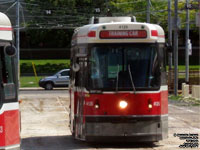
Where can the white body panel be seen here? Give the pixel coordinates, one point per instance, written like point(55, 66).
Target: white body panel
point(5, 28)
point(81, 36)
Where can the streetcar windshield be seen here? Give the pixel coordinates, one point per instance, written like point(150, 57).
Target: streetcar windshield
point(124, 67)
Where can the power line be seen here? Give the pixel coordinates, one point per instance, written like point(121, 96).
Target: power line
point(36, 13)
point(6, 2)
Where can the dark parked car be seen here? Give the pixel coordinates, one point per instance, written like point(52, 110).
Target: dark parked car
point(60, 79)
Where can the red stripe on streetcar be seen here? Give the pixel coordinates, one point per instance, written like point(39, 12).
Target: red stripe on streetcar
point(9, 128)
point(5, 29)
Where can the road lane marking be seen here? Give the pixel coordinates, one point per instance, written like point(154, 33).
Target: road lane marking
point(171, 118)
point(61, 104)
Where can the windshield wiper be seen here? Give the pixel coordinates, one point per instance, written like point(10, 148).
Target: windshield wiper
point(130, 74)
point(117, 78)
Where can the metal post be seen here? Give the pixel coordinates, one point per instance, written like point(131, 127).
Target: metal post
point(106, 5)
point(199, 26)
point(169, 34)
point(148, 11)
point(187, 30)
point(176, 48)
point(17, 39)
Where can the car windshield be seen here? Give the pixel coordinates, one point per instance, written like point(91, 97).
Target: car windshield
point(124, 67)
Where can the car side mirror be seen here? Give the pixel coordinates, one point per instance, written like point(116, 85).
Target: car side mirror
point(10, 50)
point(59, 75)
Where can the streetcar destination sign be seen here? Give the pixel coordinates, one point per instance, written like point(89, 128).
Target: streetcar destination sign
point(115, 34)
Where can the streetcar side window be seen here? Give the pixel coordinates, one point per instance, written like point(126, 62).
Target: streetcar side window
point(162, 56)
point(4, 73)
point(1, 76)
point(9, 69)
point(6, 67)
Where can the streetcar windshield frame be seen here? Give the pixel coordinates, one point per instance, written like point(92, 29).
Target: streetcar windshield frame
point(116, 67)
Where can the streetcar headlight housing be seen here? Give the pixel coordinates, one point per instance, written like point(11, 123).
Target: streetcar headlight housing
point(96, 104)
point(150, 105)
point(123, 104)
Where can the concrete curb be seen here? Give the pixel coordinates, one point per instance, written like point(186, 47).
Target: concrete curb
point(39, 89)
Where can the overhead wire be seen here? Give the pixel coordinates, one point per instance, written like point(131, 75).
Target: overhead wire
point(6, 2)
point(35, 12)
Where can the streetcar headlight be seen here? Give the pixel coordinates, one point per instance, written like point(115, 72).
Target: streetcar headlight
point(96, 106)
point(150, 106)
point(123, 104)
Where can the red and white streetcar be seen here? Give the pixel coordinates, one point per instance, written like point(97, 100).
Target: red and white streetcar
point(9, 105)
point(118, 89)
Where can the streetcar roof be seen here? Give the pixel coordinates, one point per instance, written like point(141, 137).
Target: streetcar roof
point(84, 34)
point(5, 28)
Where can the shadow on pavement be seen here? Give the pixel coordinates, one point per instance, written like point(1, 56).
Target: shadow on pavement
point(52, 143)
point(68, 143)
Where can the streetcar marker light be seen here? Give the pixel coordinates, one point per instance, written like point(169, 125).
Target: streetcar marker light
point(154, 33)
point(92, 34)
point(123, 104)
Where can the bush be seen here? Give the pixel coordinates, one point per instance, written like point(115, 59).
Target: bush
point(27, 68)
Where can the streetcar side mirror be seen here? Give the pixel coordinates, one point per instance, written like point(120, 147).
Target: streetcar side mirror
point(75, 67)
point(10, 50)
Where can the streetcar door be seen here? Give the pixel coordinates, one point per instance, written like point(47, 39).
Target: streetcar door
point(8, 80)
point(81, 96)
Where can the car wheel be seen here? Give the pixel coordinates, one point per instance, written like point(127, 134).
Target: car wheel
point(49, 86)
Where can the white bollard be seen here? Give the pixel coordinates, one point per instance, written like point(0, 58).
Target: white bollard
point(185, 90)
point(196, 91)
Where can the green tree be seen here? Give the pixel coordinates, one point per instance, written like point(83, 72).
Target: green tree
point(158, 9)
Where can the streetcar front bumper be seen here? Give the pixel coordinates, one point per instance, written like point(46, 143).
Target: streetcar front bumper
point(126, 129)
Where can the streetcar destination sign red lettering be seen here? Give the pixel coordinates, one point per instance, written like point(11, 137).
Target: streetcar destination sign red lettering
point(115, 34)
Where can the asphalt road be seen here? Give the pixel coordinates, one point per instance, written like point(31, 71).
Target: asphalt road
point(45, 124)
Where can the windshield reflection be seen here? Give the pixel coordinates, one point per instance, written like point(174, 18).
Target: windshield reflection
point(124, 67)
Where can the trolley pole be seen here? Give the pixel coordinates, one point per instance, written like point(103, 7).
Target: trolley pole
point(169, 34)
point(17, 41)
point(187, 43)
point(176, 48)
point(148, 11)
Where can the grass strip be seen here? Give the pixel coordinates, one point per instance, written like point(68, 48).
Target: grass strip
point(29, 81)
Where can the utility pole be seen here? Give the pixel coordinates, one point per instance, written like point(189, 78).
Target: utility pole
point(106, 5)
point(17, 39)
point(169, 34)
point(187, 30)
point(148, 11)
point(176, 48)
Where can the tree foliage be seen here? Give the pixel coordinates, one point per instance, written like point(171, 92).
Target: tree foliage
point(73, 13)
point(69, 14)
